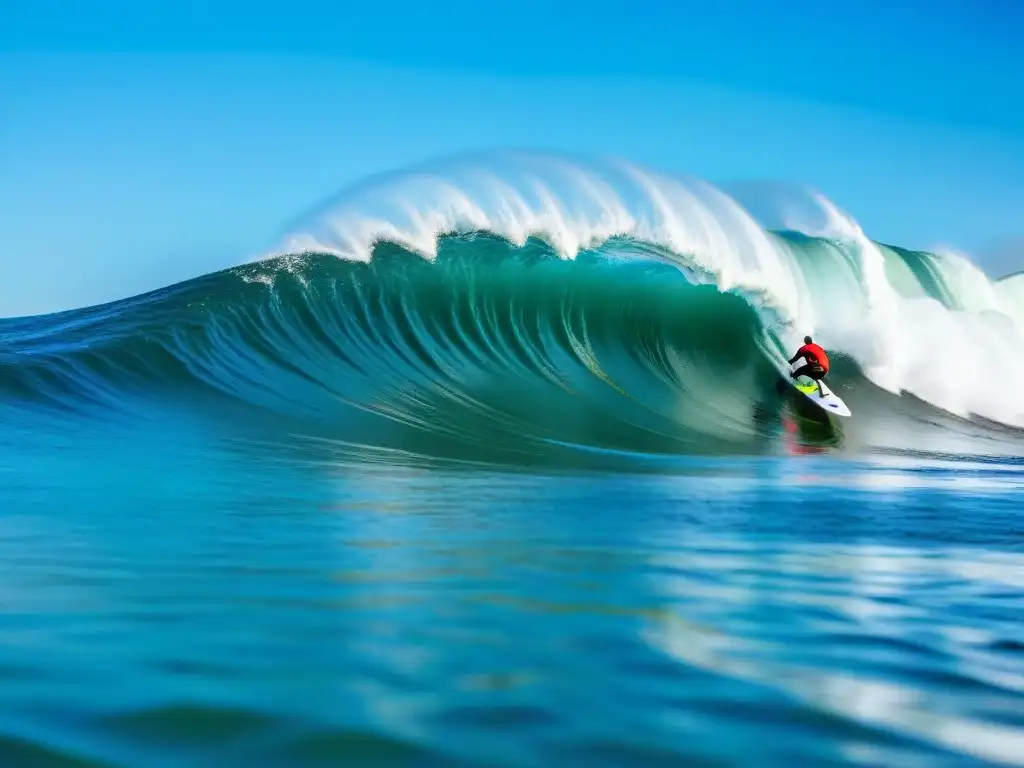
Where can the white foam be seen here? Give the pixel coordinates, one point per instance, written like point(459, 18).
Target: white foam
point(570, 205)
point(966, 359)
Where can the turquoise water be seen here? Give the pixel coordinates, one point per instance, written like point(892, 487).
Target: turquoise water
point(228, 607)
point(504, 508)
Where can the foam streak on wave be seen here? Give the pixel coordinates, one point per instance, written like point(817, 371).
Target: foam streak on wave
point(927, 324)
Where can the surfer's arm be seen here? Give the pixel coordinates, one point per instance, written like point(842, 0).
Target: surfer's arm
point(802, 352)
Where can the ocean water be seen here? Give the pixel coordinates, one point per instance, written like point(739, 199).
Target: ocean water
point(494, 463)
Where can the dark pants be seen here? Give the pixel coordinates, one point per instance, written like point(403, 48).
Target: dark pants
point(812, 371)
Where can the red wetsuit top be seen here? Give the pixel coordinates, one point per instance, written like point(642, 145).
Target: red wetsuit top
point(813, 354)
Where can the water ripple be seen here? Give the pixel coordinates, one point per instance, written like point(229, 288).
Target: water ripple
point(364, 616)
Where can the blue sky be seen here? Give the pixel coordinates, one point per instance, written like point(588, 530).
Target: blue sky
point(142, 143)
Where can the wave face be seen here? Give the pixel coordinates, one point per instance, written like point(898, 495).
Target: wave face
point(526, 309)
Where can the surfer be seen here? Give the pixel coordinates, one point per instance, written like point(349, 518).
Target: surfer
point(816, 365)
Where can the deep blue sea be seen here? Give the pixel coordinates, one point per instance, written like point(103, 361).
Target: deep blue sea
point(500, 507)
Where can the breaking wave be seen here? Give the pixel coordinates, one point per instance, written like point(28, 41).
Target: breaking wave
point(522, 307)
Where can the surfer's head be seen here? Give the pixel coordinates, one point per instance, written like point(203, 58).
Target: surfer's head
point(807, 339)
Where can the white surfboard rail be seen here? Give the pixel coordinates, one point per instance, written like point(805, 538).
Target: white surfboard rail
point(830, 403)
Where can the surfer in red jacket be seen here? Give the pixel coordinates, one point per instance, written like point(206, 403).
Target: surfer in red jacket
point(816, 365)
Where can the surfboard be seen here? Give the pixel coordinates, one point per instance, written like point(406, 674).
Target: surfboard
point(830, 403)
